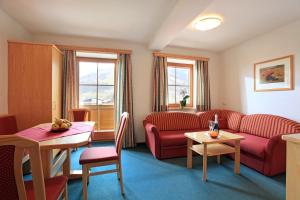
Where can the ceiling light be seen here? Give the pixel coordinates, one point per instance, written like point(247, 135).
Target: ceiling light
point(207, 23)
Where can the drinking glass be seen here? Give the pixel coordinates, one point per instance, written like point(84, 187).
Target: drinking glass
point(211, 125)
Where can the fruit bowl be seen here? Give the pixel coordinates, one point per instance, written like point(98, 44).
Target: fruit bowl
point(60, 125)
point(59, 130)
point(213, 134)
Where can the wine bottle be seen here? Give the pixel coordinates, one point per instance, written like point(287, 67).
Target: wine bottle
point(216, 124)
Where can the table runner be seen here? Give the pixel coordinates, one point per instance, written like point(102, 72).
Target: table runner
point(42, 132)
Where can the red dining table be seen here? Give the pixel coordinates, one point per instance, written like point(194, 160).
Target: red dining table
point(78, 135)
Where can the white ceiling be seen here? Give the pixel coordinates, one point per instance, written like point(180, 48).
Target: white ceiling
point(157, 23)
point(134, 20)
point(243, 20)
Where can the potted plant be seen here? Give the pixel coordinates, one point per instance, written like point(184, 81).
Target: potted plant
point(184, 98)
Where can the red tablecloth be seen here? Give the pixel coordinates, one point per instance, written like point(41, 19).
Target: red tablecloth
point(42, 132)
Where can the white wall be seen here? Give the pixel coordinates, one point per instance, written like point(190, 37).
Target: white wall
point(236, 86)
point(10, 30)
point(142, 70)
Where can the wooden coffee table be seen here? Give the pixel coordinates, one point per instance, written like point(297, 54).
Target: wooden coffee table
point(212, 147)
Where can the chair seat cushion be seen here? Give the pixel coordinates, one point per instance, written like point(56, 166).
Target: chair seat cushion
point(252, 144)
point(54, 186)
point(174, 138)
point(98, 154)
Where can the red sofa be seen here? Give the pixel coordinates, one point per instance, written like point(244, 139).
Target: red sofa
point(262, 149)
point(165, 130)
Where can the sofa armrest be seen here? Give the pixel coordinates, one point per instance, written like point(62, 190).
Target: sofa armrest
point(273, 143)
point(275, 161)
point(152, 139)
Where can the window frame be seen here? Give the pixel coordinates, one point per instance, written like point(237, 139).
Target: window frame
point(96, 60)
point(191, 68)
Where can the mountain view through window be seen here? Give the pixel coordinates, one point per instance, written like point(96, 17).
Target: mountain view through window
point(96, 83)
point(179, 83)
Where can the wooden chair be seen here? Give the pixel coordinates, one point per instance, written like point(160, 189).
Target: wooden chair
point(8, 124)
point(101, 156)
point(12, 186)
point(81, 114)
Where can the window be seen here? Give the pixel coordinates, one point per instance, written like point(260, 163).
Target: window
point(180, 83)
point(96, 82)
point(97, 89)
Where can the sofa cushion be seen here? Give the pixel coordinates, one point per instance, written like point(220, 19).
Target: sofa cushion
point(174, 138)
point(223, 123)
point(171, 121)
point(253, 145)
point(229, 130)
point(233, 119)
point(204, 117)
point(227, 118)
point(267, 126)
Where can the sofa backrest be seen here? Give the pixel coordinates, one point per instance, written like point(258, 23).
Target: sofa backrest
point(267, 126)
point(227, 119)
point(233, 119)
point(167, 121)
point(205, 116)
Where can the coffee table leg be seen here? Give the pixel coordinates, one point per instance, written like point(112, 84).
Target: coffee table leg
point(204, 176)
point(189, 163)
point(237, 157)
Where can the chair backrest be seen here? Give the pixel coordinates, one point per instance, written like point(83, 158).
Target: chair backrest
point(81, 114)
point(121, 131)
point(11, 173)
point(8, 124)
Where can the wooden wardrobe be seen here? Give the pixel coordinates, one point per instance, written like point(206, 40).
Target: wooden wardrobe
point(34, 83)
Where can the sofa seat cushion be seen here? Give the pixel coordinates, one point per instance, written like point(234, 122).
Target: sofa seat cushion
point(253, 145)
point(174, 138)
point(229, 130)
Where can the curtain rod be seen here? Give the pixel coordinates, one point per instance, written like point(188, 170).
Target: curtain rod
point(93, 49)
point(156, 53)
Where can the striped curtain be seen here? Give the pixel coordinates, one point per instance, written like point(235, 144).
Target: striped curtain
point(202, 86)
point(123, 97)
point(70, 83)
point(160, 84)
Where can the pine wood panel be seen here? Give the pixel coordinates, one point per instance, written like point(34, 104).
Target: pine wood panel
point(103, 115)
point(57, 60)
point(108, 135)
point(30, 83)
point(213, 149)
point(292, 166)
point(93, 49)
point(157, 53)
point(202, 137)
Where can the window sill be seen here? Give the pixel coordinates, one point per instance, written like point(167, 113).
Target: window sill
point(187, 109)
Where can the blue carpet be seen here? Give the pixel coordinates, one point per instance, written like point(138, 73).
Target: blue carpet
point(148, 178)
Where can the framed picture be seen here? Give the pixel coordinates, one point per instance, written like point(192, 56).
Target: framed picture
point(275, 74)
